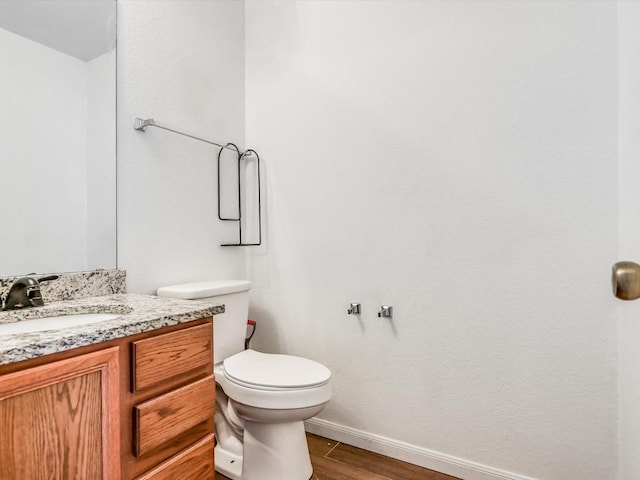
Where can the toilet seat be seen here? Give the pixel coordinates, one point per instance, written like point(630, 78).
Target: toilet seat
point(284, 384)
point(265, 371)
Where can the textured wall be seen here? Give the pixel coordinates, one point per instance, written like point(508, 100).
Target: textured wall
point(457, 160)
point(181, 63)
point(629, 58)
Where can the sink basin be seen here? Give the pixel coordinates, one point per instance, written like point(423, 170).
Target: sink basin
point(55, 322)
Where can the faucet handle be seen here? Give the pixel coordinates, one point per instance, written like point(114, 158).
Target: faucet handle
point(31, 290)
point(48, 278)
point(34, 294)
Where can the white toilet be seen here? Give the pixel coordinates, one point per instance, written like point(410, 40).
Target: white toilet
point(261, 399)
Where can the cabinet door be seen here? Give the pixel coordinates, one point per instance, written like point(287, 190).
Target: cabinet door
point(61, 420)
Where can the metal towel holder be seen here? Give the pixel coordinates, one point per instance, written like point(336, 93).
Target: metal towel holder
point(241, 156)
point(625, 280)
point(140, 125)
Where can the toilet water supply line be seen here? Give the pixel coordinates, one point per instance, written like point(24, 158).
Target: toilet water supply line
point(140, 124)
point(250, 323)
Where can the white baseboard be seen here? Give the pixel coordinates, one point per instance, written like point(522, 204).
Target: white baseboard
point(440, 462)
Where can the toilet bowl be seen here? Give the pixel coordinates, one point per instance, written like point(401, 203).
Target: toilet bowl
point(262, 399)
point(268, 396)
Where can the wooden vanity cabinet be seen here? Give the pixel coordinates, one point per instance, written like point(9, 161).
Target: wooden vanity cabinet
point(140, 407)
point(62, 419)
point(170, 403)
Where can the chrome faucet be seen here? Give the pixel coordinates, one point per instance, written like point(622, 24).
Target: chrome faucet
point(25, 292)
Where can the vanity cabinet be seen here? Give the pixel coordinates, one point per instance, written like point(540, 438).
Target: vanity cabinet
point(170, 404)
point(61, 419)
point(139, 407)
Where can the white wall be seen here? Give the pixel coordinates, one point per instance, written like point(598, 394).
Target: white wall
point(181, 63)
point(101, 168)
point(629, 332)
point(459, 161)
point(43, 151)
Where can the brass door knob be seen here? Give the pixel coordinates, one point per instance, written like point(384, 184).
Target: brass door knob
point(625, 280)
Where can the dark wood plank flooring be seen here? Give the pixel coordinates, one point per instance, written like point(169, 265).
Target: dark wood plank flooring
point(336, 461)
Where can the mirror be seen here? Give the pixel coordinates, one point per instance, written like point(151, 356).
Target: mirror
point(58, 135)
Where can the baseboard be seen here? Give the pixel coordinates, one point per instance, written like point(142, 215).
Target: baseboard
point(440, 462)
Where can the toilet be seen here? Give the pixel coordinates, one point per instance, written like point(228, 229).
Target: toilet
point(262, 399)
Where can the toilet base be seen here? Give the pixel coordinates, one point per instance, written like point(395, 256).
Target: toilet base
point(272, 451)
point(228, 463)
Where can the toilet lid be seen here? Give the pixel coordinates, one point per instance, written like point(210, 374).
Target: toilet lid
point(265, 370)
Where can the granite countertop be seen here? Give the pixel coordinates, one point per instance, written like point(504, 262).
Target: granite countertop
point(140, 313)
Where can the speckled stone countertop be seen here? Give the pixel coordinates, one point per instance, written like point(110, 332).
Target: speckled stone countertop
point(73, 285)
point(140, 313)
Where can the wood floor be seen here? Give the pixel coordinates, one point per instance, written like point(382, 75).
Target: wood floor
point(336, 461)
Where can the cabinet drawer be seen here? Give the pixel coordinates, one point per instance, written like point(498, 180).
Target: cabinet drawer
point(193, 463)
point(163, 418)
point(159, 358)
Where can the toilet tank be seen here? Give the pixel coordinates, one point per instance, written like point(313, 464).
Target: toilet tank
point(230, 327)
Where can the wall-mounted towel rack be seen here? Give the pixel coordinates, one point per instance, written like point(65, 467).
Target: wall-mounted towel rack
point(241, 156)
point(140, 124)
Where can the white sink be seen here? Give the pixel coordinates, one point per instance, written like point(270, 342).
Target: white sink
point(56, 322)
